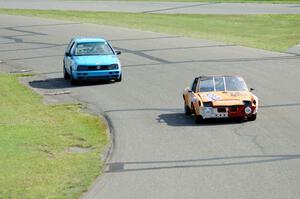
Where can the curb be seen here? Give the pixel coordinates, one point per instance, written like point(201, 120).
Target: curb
point(108, 152)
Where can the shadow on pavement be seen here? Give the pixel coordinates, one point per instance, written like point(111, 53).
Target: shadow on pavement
point(179, 119)
point(115, 167)
point(176, 117)
point(61, 83)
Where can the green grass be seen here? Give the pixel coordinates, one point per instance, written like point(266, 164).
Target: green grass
point(270, 32)
point(34, 138)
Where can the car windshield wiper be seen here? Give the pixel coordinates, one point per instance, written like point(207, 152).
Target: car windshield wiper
point(92, 54)
point(102, 54)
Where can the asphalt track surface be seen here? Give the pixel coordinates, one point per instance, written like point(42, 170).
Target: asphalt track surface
point(155, 7)
point(158, 151)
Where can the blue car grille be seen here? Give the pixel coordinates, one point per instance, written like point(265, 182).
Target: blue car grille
point(99, 67)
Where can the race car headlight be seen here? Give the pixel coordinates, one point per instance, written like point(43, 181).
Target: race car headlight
point(208, 111)
point(248, 110)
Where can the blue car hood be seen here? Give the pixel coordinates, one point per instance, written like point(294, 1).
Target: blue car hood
point(96, 60)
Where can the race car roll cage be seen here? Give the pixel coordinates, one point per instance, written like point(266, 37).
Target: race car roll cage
point(197, 81)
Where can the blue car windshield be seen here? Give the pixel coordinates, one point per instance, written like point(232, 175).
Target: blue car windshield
point(93, 48)
point(222, 83)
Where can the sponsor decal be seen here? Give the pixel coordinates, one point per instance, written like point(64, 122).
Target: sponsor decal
point(235, 94)
point(212, 97)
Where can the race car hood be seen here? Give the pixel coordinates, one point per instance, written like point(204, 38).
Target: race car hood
point(229, 98)
point(96, 60)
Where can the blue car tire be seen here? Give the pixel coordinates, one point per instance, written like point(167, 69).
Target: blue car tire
point(66, 74)
point(119, 79)
point(73, 81)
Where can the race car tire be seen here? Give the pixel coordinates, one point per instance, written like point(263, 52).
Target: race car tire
point(198, 119)
point(187, 110)
point(252, 117)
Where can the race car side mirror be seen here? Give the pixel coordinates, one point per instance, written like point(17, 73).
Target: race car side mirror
point(67, 54)
point(118, 52)
point(252, 89)
point(189, 90)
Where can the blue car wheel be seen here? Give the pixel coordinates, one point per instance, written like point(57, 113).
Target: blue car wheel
point(73, 81)
point(119, 79)
point(66, 74)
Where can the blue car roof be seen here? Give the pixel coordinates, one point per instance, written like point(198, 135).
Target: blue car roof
point(88, 39)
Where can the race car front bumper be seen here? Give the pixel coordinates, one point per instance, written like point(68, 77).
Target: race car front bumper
point(228, 112)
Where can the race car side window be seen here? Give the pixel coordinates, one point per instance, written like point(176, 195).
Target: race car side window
point(194, 86)
point(69, 46)
point(207, 84)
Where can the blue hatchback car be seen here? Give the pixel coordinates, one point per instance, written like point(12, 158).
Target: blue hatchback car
point(91, 58)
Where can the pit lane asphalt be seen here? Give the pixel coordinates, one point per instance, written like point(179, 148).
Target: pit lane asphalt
point(155, 7)
point(159, 152)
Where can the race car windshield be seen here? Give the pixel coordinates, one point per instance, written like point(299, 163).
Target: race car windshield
point(95, 48)
point(222, 83)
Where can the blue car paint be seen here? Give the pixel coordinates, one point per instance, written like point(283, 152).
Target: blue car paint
point(96, 60)
point(70, 62)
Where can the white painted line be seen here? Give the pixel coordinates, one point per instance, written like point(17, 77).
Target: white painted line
point(58, 93)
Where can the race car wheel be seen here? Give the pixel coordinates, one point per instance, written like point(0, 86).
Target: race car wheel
point(252, 117)
point(66, 74)
point(187, 110)
point(119, 79)
point(73, 81)
point(198, 119)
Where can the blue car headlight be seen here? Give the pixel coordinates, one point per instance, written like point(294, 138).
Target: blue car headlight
point(113, 67)
point(74, 66)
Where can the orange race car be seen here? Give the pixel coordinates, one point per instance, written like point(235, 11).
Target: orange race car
point(220, 97)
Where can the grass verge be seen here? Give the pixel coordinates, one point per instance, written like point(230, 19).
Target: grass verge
point(213, 1)
point(270, 32)
point(34, 139)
